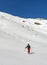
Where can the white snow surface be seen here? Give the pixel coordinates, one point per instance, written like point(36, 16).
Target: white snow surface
point(16, 33)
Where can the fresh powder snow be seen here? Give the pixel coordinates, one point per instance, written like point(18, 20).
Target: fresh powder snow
point(16, 33)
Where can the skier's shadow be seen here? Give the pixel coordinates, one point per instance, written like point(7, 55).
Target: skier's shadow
point(32, 53)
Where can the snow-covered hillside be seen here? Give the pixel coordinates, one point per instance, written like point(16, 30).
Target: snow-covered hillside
point(15, 33)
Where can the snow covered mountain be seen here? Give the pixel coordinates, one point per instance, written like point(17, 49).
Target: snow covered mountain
point(15, 33)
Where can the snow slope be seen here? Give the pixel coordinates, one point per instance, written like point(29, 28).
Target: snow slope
point(15, 33)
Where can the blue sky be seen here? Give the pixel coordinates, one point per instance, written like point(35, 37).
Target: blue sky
point(25, 8)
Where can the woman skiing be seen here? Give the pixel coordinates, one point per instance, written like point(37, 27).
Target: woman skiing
point(28, 48)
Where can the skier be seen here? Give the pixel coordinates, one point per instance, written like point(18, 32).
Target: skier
point(28, 48)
